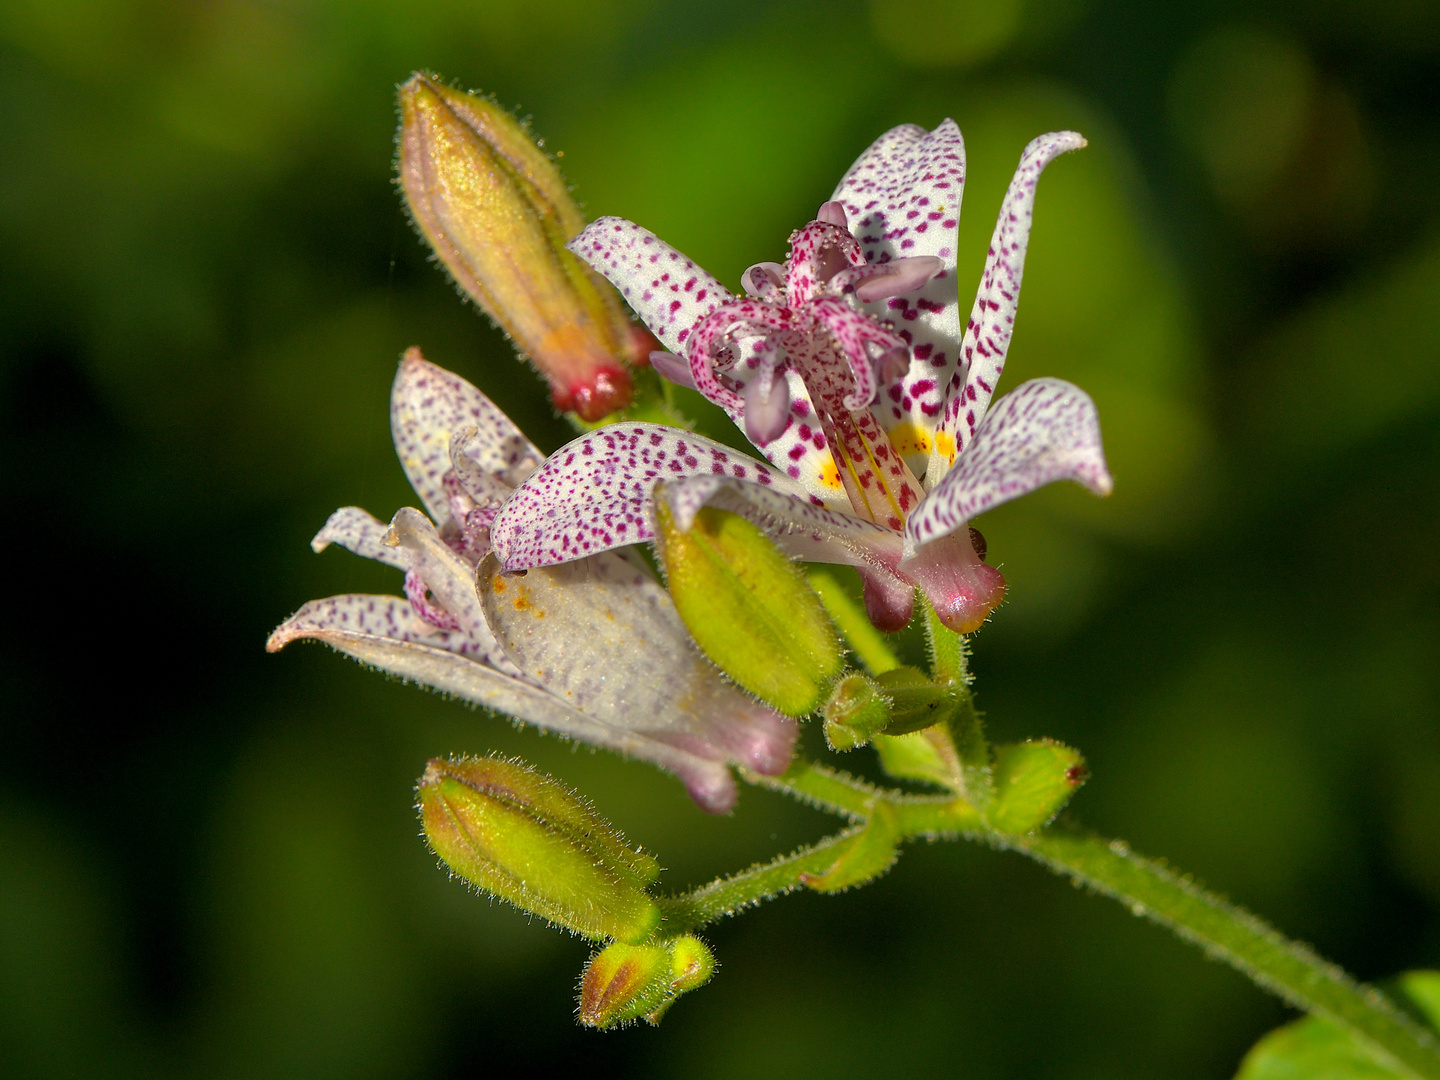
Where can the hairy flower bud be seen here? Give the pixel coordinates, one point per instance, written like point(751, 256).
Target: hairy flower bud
point(498, 213)
point(623, 983)
point(750, 609)
point(522, 836)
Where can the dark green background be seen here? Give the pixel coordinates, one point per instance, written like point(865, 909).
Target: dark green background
point(208, 857)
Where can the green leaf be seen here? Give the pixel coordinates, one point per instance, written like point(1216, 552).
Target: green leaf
point(862, 858)
point(1033, 780)
point(1316, 1049)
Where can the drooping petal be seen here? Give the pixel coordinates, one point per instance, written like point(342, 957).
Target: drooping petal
point(428, 405)
point(356, 618)
point(602, 635)
point(903, 199)
point(355, 530)
point(992, 320)
point(594, 493)
point(380, 631)
point(1044, 430)
point(667, 290)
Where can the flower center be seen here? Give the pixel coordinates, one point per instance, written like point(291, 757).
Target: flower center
point(809, 321)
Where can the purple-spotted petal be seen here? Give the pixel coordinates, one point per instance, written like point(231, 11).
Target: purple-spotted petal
point(668, 291)
point(355, 530)
point(594, 493)
point(428, 405)
point(992, 320)
point(383, 632)
point(1044, 430)
point(602, 635)
point(354, 619)
point(903, 199)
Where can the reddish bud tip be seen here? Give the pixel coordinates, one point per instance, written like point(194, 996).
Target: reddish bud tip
point(604, 389)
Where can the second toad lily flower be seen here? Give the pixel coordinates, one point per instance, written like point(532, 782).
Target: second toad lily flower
point(846, 367)
point(594, 650)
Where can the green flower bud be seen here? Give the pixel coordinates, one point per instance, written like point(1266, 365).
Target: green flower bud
point(857, 711)
point(749, 608)
point(1033, 781)
point(522, 836)
point(902, 700)
point(498, 213)
point(623, 983)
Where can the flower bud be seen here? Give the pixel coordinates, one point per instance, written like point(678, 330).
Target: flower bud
point(498, 213)
point(522, 836)
point(749, 608)
point(897, 702)
point(857, 711)
point(1033, 781)
point(623, 983)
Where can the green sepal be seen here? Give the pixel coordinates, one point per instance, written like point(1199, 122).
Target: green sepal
point(864, 856)
point(1033, 781)
point(517, 834)
point(1313, 1047)
point(623, 983)
point(749, 608)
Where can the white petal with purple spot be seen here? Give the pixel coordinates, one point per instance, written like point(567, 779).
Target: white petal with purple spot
point(902, 198)
point(992, 320)
point(1044, 430)
point(428, 405)
point(594, 493)
point(667, 290)
point(355, 530)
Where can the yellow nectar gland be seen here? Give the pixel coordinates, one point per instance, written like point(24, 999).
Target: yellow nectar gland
point(908, 439)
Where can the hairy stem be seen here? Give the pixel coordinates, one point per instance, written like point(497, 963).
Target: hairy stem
point(1240, 939)
point(1145, 886)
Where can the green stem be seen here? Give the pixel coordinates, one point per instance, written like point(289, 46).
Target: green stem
point(1242, 940)
point(1146, 887)
point(727, 896)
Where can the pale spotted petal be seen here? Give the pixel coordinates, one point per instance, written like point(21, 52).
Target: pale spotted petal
point(357, 617)
point(1045, 430)
point(992, 320)
point(381, 631)
point(603, 636)
point(594, 493)
point(668, 291)
point(450, 578)
point(355, 530)
point(902, 198)
point(428, 405)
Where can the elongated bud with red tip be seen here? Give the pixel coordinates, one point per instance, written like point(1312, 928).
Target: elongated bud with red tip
point(498, 213)
point(524, 837)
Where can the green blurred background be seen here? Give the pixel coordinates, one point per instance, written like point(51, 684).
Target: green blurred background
point(208, 858)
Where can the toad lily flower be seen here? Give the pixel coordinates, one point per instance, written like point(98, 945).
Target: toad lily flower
point(846, 367)
point(593, 650)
